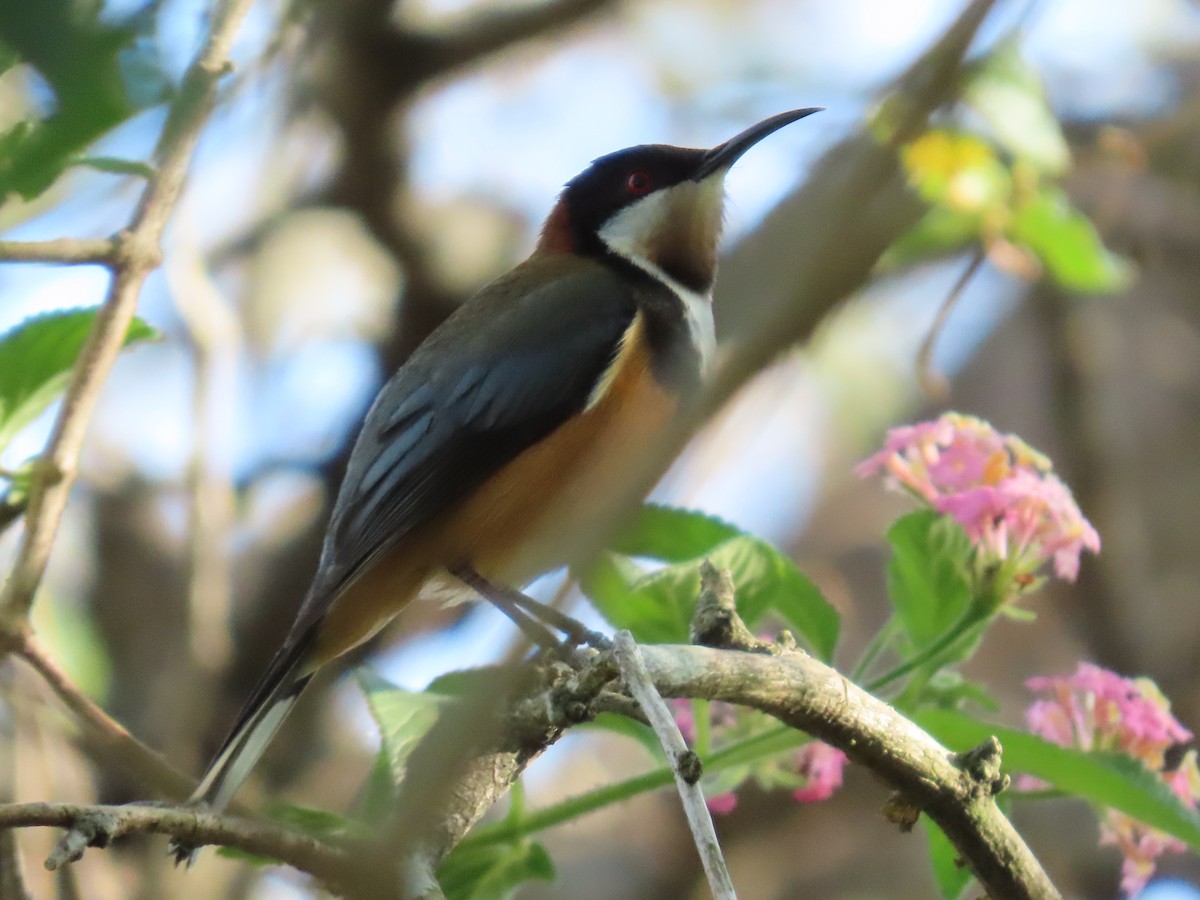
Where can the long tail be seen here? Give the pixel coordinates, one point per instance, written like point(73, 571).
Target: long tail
point(269, 704)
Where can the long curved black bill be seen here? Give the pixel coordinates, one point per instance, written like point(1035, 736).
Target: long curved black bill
point(725, 155)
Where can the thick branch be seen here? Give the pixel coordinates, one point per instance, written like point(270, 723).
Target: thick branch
point(793, 687)
point(137, 253)
point(806, 694)
point(66, 251)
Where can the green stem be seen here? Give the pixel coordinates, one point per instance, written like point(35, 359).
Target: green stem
point(930, 653)
point(882, 638)
point(759, 746)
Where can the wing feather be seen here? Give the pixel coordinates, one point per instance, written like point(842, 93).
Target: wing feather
point(496, 378)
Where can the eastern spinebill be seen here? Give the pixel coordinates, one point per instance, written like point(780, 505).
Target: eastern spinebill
point(508, 427)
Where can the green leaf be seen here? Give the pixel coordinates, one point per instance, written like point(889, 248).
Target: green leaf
point(959, 171)
point(672, 535)
point(1066, 243)
point(36, 359)
point(1106, 780)
point(377, 797)
point(493, 871)
point(951, 874)
point(948, 689)
point(939, 232)
point(116, 166)
point(623, 593)
point(926, 584)
point(403, 717)
point(767, 581)
point(657, 608)
point(627, 727)
point(317, 823)
point(1008, 94)
point(102, 73)
point(15, 498)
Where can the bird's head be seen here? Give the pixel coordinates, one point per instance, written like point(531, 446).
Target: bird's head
point(658, 206)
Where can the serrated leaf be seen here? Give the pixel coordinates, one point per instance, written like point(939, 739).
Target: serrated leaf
point(1066, 243)
point(36, 358)
point(617, 588)
point(403, 717)
point(925, 579)
point(101, 73)
point(1008, 93)
point(657, 607)
point(493, 871)
point(1106, 780)
point(951, 874)
point(671, 534)
point(767, 581)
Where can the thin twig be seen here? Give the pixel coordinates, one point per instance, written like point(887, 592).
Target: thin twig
point(64, 251)
point(136, 254)
point(933, 382)
point(684, 763)
point(145, 764)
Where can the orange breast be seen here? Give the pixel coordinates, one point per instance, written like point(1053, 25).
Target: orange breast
point(550, 504)
point(545, 508)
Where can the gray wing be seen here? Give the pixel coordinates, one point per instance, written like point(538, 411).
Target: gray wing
point(498, 376)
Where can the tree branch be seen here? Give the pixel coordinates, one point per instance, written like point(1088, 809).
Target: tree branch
point(136, 253)
point(66, 251)
point(96, 826)
point(956, 792)
point(684, 764)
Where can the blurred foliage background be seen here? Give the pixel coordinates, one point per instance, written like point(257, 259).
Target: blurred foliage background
point(372, 163)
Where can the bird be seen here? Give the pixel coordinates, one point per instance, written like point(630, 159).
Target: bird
point(506, 429)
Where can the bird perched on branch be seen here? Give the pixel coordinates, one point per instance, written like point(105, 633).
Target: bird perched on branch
point(519, 421)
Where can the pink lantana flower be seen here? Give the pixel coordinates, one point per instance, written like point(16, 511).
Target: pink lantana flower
point(823, 766)
point(722, 804)
point(1003, 493)
point(1096, 709)
point(812, 773)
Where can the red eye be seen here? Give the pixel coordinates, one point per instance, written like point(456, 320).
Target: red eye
point(639, 183)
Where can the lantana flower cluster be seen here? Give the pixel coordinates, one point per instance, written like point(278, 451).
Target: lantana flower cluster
point(1096, 709)
point(813, 773)
point(1002, 492)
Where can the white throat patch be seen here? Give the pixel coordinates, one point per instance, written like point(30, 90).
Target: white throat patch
point(632, 231)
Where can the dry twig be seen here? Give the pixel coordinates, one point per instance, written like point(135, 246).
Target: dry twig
point(684, 763)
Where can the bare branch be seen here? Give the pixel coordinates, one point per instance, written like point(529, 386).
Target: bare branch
point(956, 792)
point(684, 763)
point(136, 254)
point(97, 826)
point(65, 251)
point(806, 694)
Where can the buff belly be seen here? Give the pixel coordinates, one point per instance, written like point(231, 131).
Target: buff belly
point(549, 506)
